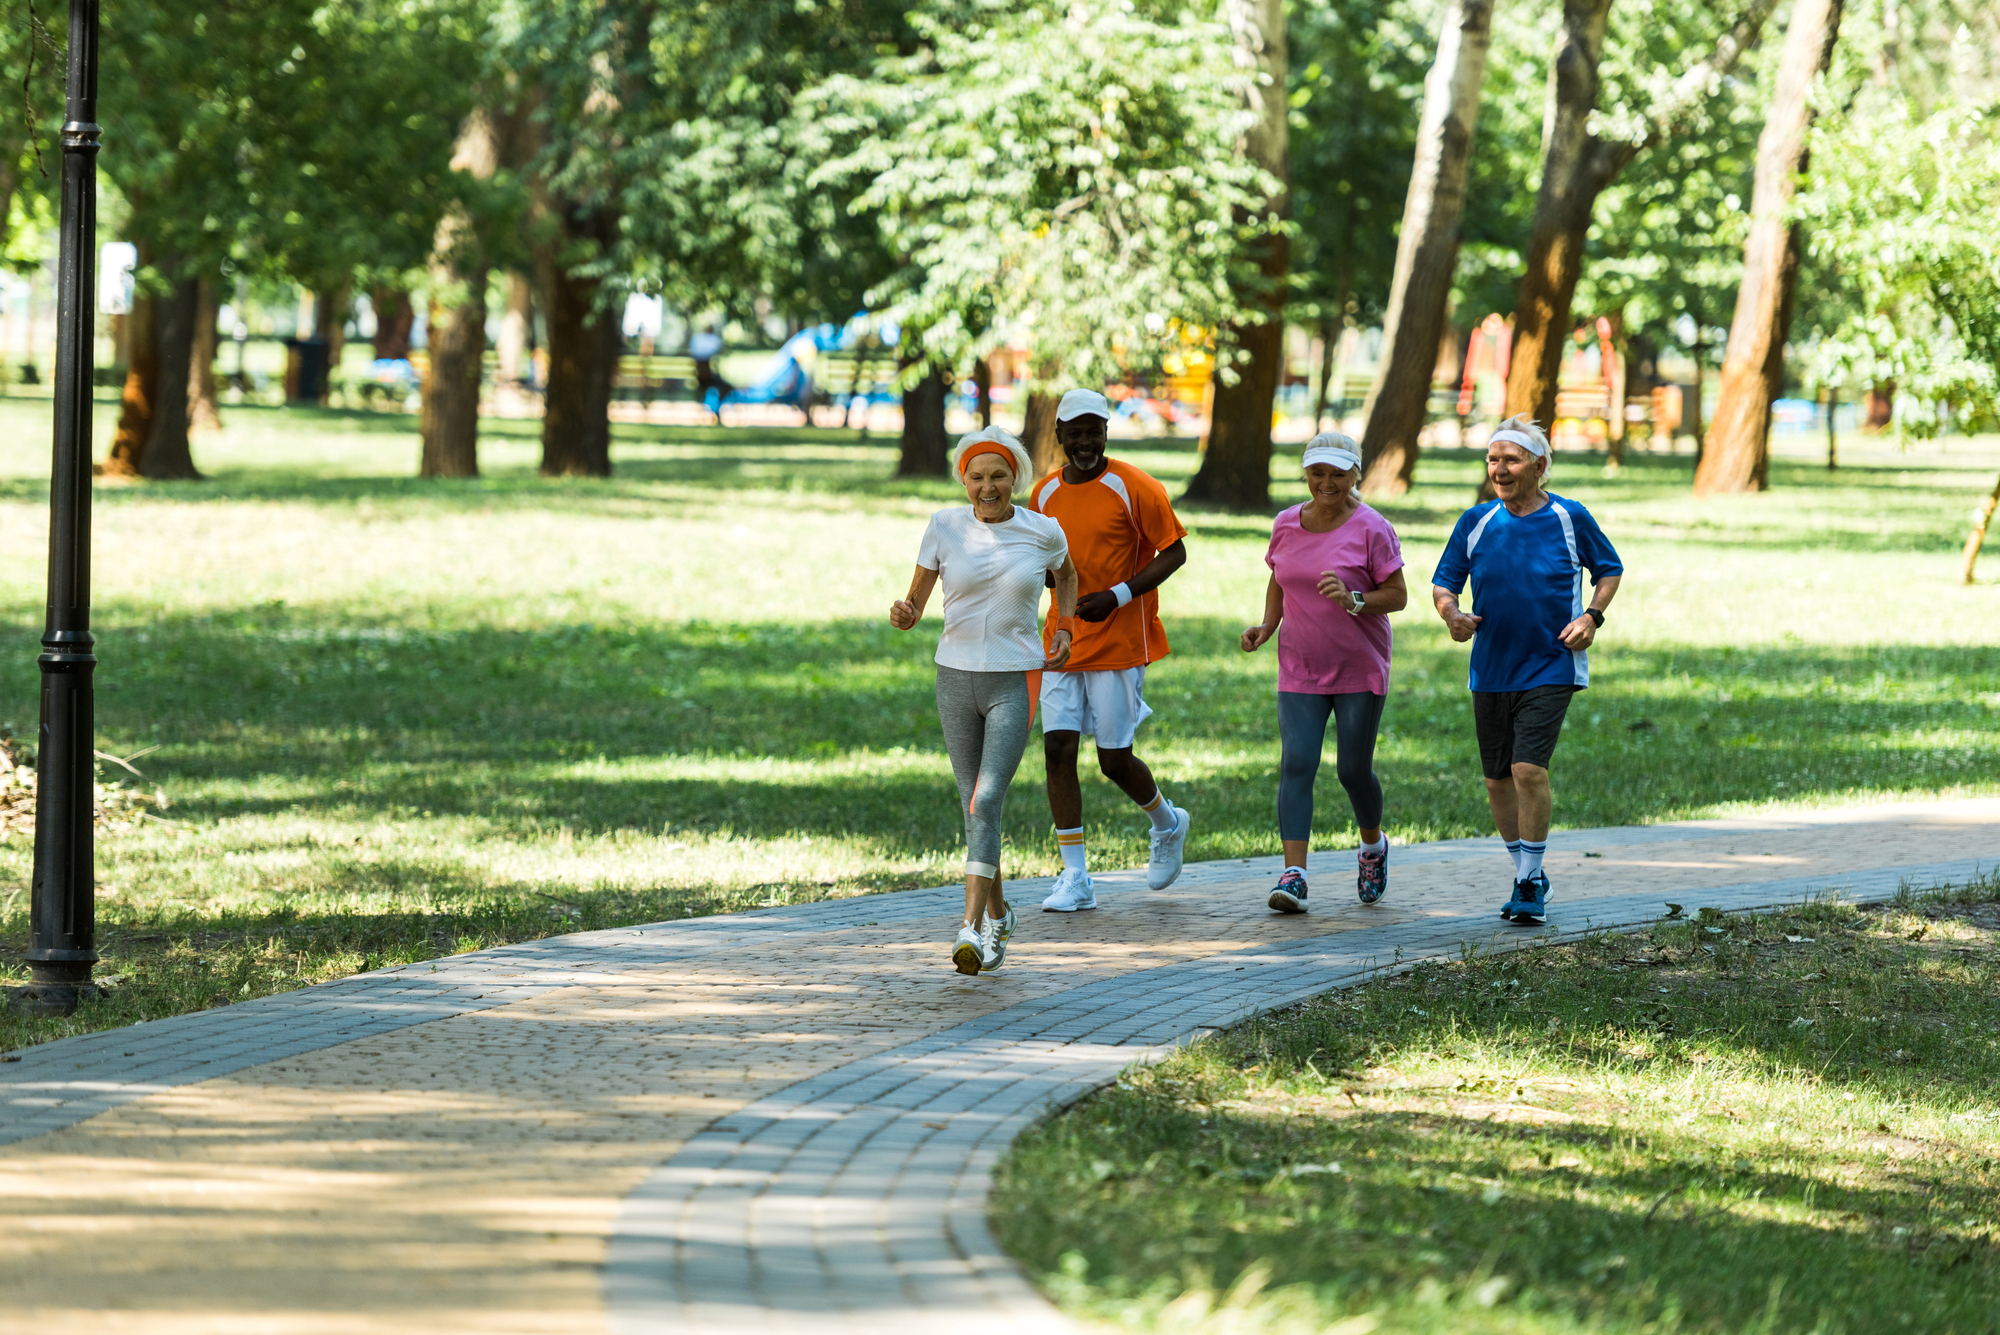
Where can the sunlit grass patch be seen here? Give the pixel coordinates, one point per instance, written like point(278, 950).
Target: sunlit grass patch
point(1780, 1123)
point(673, 690)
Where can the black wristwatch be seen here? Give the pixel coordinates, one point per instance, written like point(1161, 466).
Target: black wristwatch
point(1595, 615)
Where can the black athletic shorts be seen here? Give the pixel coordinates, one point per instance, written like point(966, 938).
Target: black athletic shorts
point(1518, 727)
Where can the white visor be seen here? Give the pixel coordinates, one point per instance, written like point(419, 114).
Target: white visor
point(1083, 403)
point(1521, 438)
point(1333, 448)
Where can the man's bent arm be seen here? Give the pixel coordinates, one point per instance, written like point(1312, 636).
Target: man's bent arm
point(1170, 558)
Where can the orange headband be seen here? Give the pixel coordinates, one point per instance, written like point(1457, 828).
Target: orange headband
point(992, 447)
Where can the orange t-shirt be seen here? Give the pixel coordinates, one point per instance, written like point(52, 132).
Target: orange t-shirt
point(1115, 523)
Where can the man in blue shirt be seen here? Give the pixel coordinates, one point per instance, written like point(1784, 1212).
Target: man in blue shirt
point(1526, 553)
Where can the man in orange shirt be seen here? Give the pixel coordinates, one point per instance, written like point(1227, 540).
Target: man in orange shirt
point(1125, 540)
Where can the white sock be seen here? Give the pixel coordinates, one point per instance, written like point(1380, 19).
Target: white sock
point(1161, 811)
point(1381, 842)
point(1070, 844)
point(1300, 870)
point(1531, 857)
point(1514, 852)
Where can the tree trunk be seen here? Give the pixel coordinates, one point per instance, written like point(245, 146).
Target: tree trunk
point(142, 381)
point(1879, 407)
point(1562, 214)
point(203, 415)
point(926, 449)
point(1832, 434)
point(1038, 433)
point(1576, 168)
point(1326, 337)
point(1426, 250)
point(330, 327)
point(449, 425)
point(1736, 457)
point(583, 358)
point(1691, 412)
point(982, 385)
point(395, 318)
point(450, 421)
point(167, 455)
point(1613, 348)
point(1235, 469)
point(514, 327)
point(859, 385)
point(1978, 536)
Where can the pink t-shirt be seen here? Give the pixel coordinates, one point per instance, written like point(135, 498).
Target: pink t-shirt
point(1322, 648)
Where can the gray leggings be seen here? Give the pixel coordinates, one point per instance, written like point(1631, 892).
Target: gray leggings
point(985, 717)
point(1302, 731)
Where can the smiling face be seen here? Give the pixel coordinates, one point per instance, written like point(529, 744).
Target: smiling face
point(1329, 485)
point(989, 485)
point(1513, 471)
point(1083, 440)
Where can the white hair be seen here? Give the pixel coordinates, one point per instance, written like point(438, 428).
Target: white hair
point(984, 441)
point(1520, 429)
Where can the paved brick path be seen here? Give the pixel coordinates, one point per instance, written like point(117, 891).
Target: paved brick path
point(776, 1121)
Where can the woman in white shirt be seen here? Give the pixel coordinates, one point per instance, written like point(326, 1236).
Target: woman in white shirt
point(991, 559)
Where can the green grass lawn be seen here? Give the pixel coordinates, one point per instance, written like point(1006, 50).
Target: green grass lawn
point(400, 718)
point(1777, 1124)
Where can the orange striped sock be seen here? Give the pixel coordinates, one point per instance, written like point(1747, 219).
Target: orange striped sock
point(1070, 844)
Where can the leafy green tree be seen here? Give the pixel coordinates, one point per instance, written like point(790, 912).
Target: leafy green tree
point(1357, 71)
point(1072, 176)
point(1901, 208)
point(293, 138)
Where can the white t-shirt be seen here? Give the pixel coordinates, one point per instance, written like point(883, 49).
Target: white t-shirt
point(991, 575)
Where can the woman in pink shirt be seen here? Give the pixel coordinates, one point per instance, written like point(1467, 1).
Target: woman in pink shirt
point(1337, 570)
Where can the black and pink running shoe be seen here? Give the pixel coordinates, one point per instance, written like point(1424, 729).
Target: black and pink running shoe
point(1289, 896)
point(1373, 882)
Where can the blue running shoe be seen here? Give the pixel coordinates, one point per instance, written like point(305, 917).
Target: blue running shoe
point(1290, 894)
point(1533, 897)
point(1373, 881)
point(1514, 904)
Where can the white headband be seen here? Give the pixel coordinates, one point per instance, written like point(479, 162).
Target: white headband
point(1330, 447)
point(1521, 438)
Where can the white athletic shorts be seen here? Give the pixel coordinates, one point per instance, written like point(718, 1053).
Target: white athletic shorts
point(1108, 705)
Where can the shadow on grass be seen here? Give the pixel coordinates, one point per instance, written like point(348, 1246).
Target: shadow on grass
point(1412, 1214)
point(831, 728)
point(1574, 1164)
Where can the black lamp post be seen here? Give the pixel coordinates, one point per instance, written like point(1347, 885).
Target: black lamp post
point(62, 941)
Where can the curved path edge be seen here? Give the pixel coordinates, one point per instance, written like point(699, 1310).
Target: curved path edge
point(856, 1199)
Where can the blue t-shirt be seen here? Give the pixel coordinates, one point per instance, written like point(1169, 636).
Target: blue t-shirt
point(1527, 584)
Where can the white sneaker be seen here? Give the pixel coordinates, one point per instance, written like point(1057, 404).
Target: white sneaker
point(1073, 891)
point(1164, 867)
point(968, 952)
point(992, 943)
point(1007, 923)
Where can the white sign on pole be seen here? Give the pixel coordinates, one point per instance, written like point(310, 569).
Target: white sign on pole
point(115, 264)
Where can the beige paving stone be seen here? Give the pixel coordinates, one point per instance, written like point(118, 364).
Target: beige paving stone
point(464, 1174)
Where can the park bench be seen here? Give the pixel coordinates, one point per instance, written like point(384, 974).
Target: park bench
point(646, 378)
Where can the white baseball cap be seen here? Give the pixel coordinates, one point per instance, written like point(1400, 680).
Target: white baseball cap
point(1083, 403)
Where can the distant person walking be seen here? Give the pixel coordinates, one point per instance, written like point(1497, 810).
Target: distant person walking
point(1336, 575)
point(992, 558)
point(1530, 630)
point(1126, 541)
